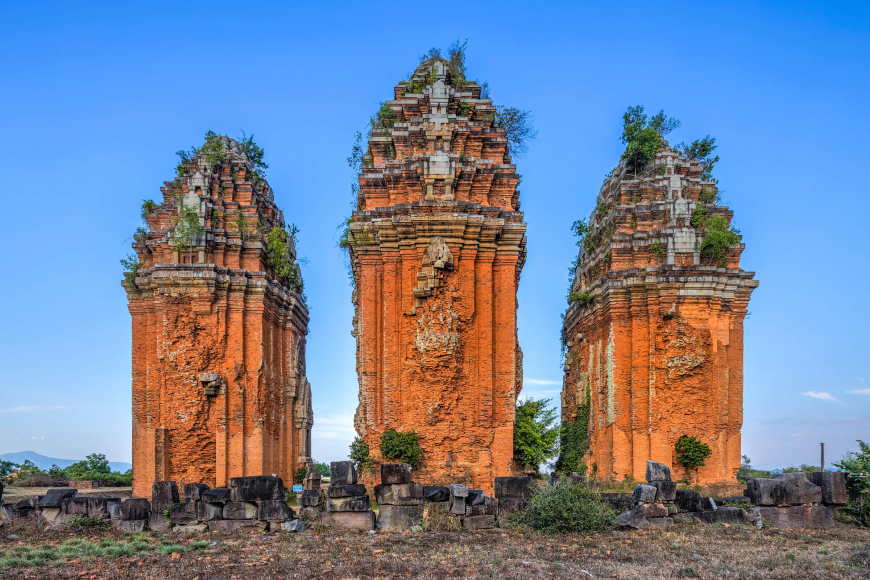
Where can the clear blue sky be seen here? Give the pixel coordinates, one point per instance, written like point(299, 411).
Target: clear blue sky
point(96, 98)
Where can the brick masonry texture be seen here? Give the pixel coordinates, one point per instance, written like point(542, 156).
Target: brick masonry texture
point(660, 348)
point(437, 248)
point(219, 384)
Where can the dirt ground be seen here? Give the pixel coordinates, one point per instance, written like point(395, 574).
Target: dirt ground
point(682, 551)
point(13, 494)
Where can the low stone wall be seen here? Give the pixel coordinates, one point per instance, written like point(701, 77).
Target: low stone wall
point(256, 502)
point(786, 500)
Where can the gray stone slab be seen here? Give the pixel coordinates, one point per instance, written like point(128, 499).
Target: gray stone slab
point(783, 488)
point(660, 522)
point(164, 494)
point(436, 493)
point(459, 490)
point(295, 526)
point(137, 508)
point(310, 497)
point(395, 473)
point(352, 490)
point(274, 510)
point(206, 512)
point(688, 500)
point(235, 525)
point(490, 505)
point(77, 506)
point(399, 517)
point(240, 510)
point(795, 517)
point(218, 495)
point(130, 526)
point(511, 505)
point(190, 529)
point(358, 503)
point(53, 497)
point(724, 515)
point(399, 494)
point(833, 484)
point(182, 514)
point(349, 520)
point(342, 473)
point(657, 471)
point(667, 490)
point(159, 523)
point(457, 506)
point(475, 497)
point(194, 491)
point(257, 488)
point(114, 508)
point(644, 493)
point(633, 518)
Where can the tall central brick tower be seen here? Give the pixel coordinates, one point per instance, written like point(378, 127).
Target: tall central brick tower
point(219, 327)
point(437, 250)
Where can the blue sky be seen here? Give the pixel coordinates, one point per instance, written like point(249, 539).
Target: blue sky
point(96, 98)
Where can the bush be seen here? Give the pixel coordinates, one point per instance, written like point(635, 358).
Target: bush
point(322, 468)
point(691, 452)
point(402, 446)
point(643, 136)
point(856, 462)
point(90, 523)
point(566, 507)
point(574, 439)
point(717, 239)
point(535, 436)
point(299, 476)
point(360, 454)
point(583, 299)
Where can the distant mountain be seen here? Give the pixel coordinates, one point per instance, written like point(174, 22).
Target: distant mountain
point(43, 462)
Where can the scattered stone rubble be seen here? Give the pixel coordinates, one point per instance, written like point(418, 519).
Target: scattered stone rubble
point(787, 500)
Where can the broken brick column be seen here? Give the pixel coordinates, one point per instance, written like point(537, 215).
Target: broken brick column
point(219, 383)
point(437, 246)
point(654, 330)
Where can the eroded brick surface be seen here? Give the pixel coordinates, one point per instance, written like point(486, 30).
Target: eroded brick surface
point(437, 247)
point(660, 347)
point(219, 384)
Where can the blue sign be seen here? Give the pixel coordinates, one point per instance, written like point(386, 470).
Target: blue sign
point(297, 488)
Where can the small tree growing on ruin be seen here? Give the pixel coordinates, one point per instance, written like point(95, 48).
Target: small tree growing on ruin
point(536, 436)
point(402, 446)
point(187, 231)
point(361, 456)
point(691, 452)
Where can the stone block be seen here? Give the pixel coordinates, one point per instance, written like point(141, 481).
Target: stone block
point(399, 494)
point(53, 497)
point(48, 515)
point(159, 523)
point(672, 509)
point(77, 506)
point(217, 495)
point(437, 506)
point(394, 518)
point(137, 508)
point(724, 515)
point(511, 505)
point(644, 493)
point(475, 497)
point(240, 510)
point(457, 506)
point(490, 505)
point(183, 513)
point(274, 510)
point(235, 525)
point(359, 503)
point(206, 512)
point(130, 526)
point(684, 518)
point(193, 491)
point(516, 487)
point(459, 490)
point(661, 522)
point(342, 473)
point(653, 510)
point(114, 509)
point(294, 526)
point(396, 473)
point(688, 500)
point(26, 504)
point(190, 529)
point(256, 488)
point(310, 498)
point(436, 493)
point(474, 510)
point(833, 484)
point(667, 490)
point(483, 522)
point(350, 520)
point(164, 494)
point(6, 514)
point(310, 514)
point(98, 507)
point(633, 518)
point(783, 489)
point(657, 471)
point(708, 503)
point(793, 517)
point(353, 490)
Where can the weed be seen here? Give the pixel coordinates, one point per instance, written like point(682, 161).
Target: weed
point(565, 507)
point(404, 446)
point(90, 523)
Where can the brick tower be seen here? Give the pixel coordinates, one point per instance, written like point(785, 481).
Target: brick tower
point(654, 333)
point(219, 327)
point(437, 248)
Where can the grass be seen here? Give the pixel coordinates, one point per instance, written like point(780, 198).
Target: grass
point(681, 551)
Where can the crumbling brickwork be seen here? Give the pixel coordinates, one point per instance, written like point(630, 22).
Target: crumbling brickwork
point(437, 249)
point(219, 384)
point(655, 331)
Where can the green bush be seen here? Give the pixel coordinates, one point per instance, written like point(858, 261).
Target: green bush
point(643, 136)
point(657, 249)
point(299, 476)
point(148, 206)
point(90, 523)
point(574, 439)
point(535, 435)
point(321, 468)
point(856, 462)
point(402, 446)
point(583, 299)
point(565, 507)
point(718, 238)
point(691, 452)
